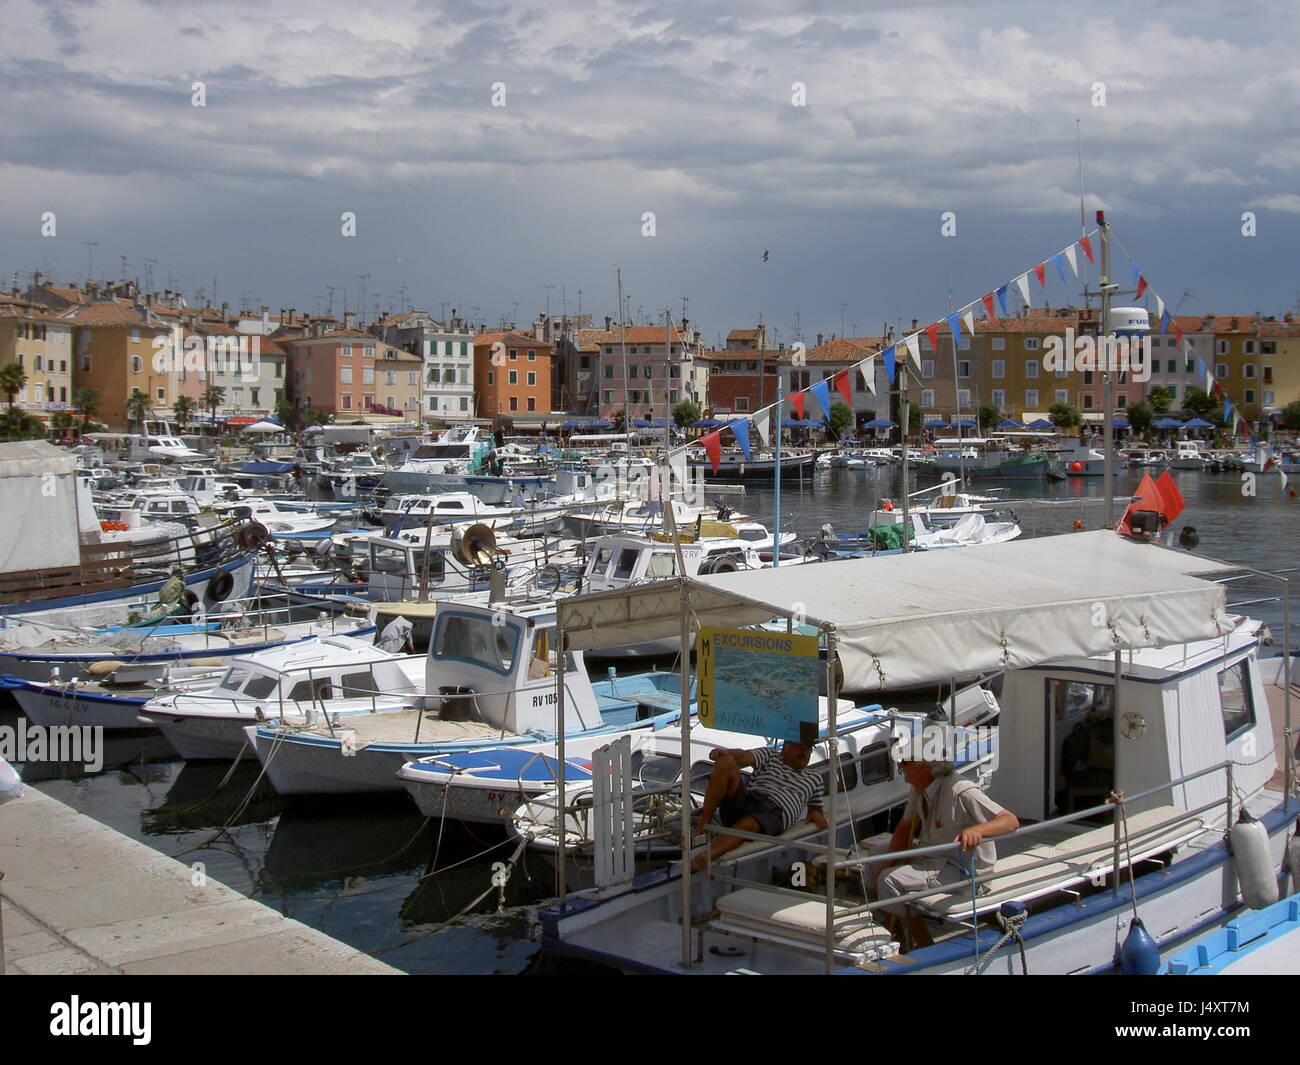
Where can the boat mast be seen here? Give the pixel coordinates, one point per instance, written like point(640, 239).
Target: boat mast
point(622, 341)
point(776, 521)
point(1108, 418)
point(905, 420)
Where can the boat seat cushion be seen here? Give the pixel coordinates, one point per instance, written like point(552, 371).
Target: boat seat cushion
point(1077, 859)
point(764, 914)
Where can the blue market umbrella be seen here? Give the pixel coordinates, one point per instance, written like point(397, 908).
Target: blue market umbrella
point(1040, 423)
point(1198, 423)
point(936, 425)
point(792, 423)
point(1120, 423)
point(1010, 423)
point(706, 423)
point(1168, 423)
point(966, 423)
point(880, 423)
point(599, 425)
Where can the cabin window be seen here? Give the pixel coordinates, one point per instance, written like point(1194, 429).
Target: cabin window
point(260, 687)
point(358, 684)
point(234, 679)
point(662, 564)
point(876, 764)
point(1235, 698)
point(306, 691)
point(476, 639)
point(848, 774)
point(626, 562)
point(602, 560)
point(388, 560)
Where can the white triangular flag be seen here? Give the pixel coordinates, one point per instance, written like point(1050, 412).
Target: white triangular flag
point(1022, 283)
point(913, 345)
point(760, 422)
point(968, 319)
point(1072, 257)
point(867, 367)
point(1160, 309)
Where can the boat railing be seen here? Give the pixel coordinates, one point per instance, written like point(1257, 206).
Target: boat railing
point(857, 863)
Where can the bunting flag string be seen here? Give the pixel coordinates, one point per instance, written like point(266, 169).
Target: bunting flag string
point(763, 418)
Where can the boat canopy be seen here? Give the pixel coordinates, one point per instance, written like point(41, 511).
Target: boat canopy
point(927, 617)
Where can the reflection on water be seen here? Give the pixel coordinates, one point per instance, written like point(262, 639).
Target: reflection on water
point(381, 878)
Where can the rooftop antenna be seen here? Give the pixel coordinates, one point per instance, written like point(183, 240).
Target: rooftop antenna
point(90, 259)
point(361, 302)
point(548, 298)
point(329, 310)
point(148, 274)
point(123, 258)
point(1187, 294)
point(579, 303)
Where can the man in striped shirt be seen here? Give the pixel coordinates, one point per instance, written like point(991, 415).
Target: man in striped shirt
point(780, 791)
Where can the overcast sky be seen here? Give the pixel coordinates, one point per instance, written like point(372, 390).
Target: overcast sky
point(684, 108)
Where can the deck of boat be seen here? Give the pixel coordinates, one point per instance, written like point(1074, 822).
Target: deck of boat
point(399, 726)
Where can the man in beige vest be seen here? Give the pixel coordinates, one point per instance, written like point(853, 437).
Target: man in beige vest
point(942, 809)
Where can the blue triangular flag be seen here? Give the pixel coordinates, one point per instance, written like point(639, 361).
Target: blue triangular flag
point(954, 323)
point(888, 354)
point(1164, 322)
point(1059, 259)
point(822, 390)
point(740, 429)
point(1002, 299)
point(1227, 408)
point(1136, 274)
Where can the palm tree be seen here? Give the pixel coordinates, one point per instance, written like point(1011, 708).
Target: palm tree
point(85, 401)
point(138, 408)
point(12, 380)
point(61, 421)
point(183, 408)
point(212, 399)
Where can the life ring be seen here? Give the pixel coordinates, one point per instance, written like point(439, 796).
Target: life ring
point(253, 537)
point(219, 588)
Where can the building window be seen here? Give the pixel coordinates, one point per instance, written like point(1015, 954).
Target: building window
point(1247, 371)
point(514, 402)
point(514, 354)
point(532, 355)
point(1249, 395)
point(609, 396)
point(532, 403)
point(927, 398)
point(513, 377)
point(253, 396)
point(998, 343)
point(368, 352)
point(345, 375)
point(347, 400)
point(464, 403)
point(1087, 401)
point(1220, 369)
point(1123, 400)
point(1248, 347)
point(609, 371)
point(411, 377)
point(742, 403)
point(927, 368)
point(367, 375)
point(1032, 343)
point(532, 377)
point(963, 397)
point(999, 397)
point(1191, 365)
point(162, 395)
point(1087, 377)
point(1031, 397)
point(390, 402)
point(1031, 368)
point(40, 363)
point(631, 372)
point(963, 368)
point(1062, 395)
point(1268, 375)
point(999, 369)
point(390, 377)
point(368, 400)
point(346, 351)
point(137, 364)
point(490, 377)
point(1220, 347)
point(1268, 398)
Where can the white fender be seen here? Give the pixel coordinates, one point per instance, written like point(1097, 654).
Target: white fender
point(1249, 841)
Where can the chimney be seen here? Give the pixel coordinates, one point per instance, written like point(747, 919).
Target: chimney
point(225, 310)
point(914, 321)
point(609, 323)
point(266, 319)
point(291, 311)
point(349, 319)
point(819, 340)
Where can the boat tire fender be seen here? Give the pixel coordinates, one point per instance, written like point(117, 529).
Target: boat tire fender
point(218, 589)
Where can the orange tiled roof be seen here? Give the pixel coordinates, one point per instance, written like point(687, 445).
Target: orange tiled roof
point(105, 314)
point(518, 339)
point(636, 334)
point(743, 334)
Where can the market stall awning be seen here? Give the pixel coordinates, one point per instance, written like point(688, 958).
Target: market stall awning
point(927, 617)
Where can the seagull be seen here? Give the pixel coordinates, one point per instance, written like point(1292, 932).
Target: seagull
point(765, 255)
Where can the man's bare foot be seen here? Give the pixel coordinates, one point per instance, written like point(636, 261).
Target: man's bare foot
point(699, 862)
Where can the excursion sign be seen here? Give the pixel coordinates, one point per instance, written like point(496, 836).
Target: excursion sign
point(758, 682)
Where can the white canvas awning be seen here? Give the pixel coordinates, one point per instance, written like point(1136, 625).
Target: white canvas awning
point(926, 617)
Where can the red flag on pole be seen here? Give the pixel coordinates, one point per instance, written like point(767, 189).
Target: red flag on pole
point(796, 401)
point(713, 446)
point(988, 303)
point(932, 331)
point(1171, 499)
point(1040, 272)
point(1086, 245)
point(842, 386)
point(1142, 286)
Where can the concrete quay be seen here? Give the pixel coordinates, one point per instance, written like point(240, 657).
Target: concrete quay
point(81, 898)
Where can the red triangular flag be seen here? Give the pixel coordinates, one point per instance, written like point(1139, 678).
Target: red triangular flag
point(1178, 334)
point(713, 446)
point(1142, 286)
point(796, 401)
point(1170, 496)
point(932, 330)
point(1147, 497)
point(842, 386)
point(1040, 272)
point(1086, 245)
point(988, 303)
